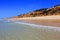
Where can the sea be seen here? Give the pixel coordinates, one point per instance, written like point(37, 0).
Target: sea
point(15, 30)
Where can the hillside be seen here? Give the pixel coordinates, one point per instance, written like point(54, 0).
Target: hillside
point(55, 10)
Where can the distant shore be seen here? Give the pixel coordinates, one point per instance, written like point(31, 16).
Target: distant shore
point(53, 20)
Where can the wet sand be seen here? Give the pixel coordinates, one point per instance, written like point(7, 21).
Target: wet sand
point(50, 22)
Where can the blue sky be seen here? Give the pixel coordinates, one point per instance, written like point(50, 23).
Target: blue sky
point(9, 8)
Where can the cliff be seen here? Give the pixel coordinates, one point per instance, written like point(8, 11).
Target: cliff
point(55, 10)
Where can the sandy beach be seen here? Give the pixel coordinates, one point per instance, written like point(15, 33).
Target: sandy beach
point(53, 20)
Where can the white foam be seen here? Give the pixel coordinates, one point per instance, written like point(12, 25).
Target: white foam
point(41, 26)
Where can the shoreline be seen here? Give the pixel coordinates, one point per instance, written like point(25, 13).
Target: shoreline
point(51, 22)
point(40, 26)
point(44, 20)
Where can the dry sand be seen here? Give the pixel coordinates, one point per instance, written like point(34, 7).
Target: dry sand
point(53, 20)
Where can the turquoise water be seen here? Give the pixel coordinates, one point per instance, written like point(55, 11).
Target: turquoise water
point(14, 31)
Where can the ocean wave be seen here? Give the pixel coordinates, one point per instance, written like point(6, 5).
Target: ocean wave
point(40, 26)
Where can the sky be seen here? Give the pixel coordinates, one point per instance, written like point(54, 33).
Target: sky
point(10, 8)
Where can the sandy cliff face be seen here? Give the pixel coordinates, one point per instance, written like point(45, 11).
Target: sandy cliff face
point(42, 12)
